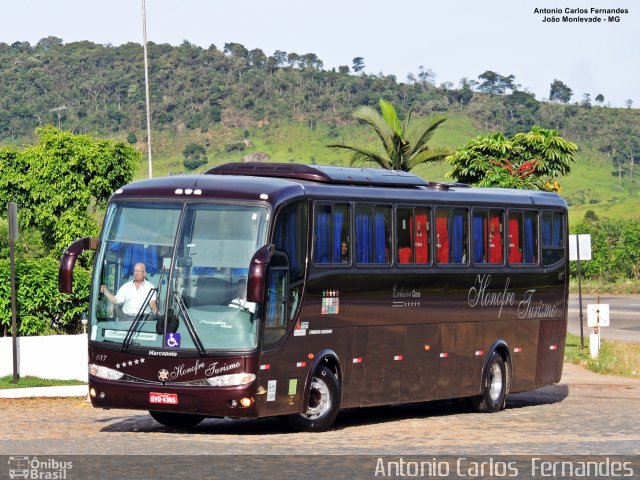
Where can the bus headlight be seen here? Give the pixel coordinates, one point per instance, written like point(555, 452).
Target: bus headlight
point(231, 380)
point(104, 372)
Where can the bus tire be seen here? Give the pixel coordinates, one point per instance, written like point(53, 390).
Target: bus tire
point(323, 405)
point(177, 420)
point(494, 385)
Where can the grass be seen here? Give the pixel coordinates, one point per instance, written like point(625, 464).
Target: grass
point(614, 358)
point(595, 287)
point(27, 382)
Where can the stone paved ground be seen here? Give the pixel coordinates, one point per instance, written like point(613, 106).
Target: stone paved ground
point(585, 413)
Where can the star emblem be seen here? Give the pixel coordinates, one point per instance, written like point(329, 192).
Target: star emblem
point(163, 375)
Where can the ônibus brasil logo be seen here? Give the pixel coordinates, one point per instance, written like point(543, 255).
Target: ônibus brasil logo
point(35, 468)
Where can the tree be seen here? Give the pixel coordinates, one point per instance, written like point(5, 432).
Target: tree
point(194, 156)
point(48, 43)
point(132, 138)
point(281, 57)
point(358, 64)
point(404, 145)
point(600, 99)
point(57, 181)
point(495, 84)
point(236, 50)
point(560, 92)
point(530, 160)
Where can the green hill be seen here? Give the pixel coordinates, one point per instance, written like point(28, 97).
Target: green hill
point(233, 102)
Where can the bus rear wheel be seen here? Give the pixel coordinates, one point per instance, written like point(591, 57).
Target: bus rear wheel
point(323, 405)
point(177, 420)
point(494, 385)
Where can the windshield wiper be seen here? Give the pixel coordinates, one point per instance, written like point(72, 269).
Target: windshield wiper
point(136, 321)
point(185, 314)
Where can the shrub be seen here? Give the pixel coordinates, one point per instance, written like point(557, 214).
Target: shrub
point(41, 309)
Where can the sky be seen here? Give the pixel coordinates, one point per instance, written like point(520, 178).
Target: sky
point(452, 38)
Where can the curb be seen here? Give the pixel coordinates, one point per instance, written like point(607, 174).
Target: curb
point(58, 391)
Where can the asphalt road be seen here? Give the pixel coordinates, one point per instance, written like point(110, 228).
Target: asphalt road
point(624, 316)
point(585, 414)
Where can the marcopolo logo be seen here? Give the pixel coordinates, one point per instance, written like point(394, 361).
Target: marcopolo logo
point(35, 468)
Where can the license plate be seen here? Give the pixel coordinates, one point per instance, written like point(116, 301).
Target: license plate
point(163, 398)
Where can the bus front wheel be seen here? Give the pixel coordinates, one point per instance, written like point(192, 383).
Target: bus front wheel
point(494, 387)
point(323, 405)
point(177, 420)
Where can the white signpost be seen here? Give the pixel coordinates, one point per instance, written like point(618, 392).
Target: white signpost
point(580, 249)
point(597, 316)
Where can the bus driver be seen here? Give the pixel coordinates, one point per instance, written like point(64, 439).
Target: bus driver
point(132, 294)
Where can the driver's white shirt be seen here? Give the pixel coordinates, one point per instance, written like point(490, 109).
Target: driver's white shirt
point(132, 298)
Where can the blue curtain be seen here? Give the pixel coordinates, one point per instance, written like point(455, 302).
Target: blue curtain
point(285, 240)
point(322, 250)
point(457, 237)
point(478, 239)
point(380, 238)
point(363, 237)
point(527, 241)
point(557, 230)
point(338, 220)
point(546, 230)
point(272, 303)
point(203, 271)
point(137, 253)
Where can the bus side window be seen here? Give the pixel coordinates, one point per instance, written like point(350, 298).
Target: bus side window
point(290, 236)
point(552, 226)
point(451, 235)
point(486, 233)
point(275, 324)
point(412, 234)
point(523, 238)
point(331, 230)
point(372, 234)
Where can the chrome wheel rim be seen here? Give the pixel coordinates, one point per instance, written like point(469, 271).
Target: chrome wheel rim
point(495, 382)
point(319, 399)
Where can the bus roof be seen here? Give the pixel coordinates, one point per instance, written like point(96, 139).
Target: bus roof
point(277, 182)
point(321, 173)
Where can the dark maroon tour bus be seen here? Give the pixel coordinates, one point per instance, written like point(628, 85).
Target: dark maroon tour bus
point(297, 290)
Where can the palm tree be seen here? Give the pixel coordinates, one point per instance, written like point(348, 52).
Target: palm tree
point(405, 145)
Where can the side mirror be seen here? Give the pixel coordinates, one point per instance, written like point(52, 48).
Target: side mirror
point(68, 261)
point(258, 273)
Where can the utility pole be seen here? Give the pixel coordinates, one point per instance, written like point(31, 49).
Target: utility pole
point(146, 83)
point(12, 216)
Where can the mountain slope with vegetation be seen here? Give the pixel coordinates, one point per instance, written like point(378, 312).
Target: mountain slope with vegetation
point(232, 102)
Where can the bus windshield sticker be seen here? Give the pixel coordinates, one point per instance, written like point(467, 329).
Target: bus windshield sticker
point(330, 302)
point(271, 390)
point(172, 340)
point(120, 334)
point(325, 331)
point(293, 386)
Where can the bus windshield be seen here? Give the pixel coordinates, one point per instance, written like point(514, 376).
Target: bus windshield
point(174, 276)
